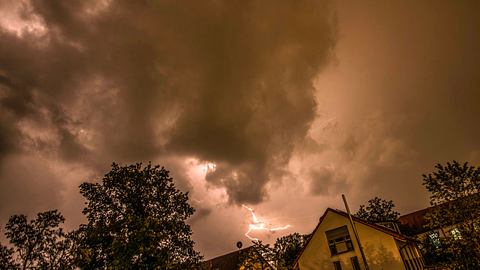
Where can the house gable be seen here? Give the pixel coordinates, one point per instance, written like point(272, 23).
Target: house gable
point(381, 246)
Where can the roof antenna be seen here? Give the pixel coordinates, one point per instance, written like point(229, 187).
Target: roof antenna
point(355, 232)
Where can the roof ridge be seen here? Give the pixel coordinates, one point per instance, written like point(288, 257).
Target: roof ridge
point(375, 226)
point(357, 219)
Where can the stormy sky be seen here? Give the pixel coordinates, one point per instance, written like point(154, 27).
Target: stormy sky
point(279, 105)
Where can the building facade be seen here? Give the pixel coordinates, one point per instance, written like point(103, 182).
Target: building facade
point(333, 246)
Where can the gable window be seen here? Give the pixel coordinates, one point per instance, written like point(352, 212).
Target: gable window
point(339, 240)
point(337, 265)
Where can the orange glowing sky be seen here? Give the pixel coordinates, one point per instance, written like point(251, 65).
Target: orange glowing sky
point(278, 105)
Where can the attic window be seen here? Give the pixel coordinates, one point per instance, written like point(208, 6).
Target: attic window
point(339, 240)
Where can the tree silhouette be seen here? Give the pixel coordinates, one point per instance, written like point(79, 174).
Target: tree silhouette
point(6, 258)
point(253, 259)
point(454, 192)
point(136, 220)
point(37, 244)
point(285, 250)
point(378, 210)
point(288, 248)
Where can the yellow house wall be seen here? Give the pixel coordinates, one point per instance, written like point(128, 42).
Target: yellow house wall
point(380, 248)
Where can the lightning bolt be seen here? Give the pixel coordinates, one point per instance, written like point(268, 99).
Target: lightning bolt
point(258, 225)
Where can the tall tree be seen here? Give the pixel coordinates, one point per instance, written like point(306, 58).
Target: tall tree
point(136, 220)
point(378, 210)
point(252, 258)
point(288, 248)
point(454, 190)
point(37, 244)
point(285, 250)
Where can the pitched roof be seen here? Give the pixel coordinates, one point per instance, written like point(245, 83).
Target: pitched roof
point(359, 220)
point(375, 226)
point(415, 222)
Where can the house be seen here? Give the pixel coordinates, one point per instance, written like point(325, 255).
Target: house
point(242, 259)
point(457, 227)
point(333, 246)
point(415, 224)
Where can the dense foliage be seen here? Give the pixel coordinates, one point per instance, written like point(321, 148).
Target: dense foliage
point(454, 192)
point(136, 220)
point(37, 244)
point(6, 258)
point(285, 250)
point(378, 210)
point(252, 259)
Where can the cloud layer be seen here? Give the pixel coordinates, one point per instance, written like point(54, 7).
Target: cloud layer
point(226, 82)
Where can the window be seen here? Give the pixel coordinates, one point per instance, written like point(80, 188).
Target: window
point(339, 240)
point(456, 234)
point(355, 263)
point(337, 265)
point(435, 239)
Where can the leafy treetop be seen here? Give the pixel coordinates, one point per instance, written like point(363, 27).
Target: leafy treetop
point(452, 182)
point(454, 190)
point(136, 220)
point(378, 210)
point(285, 250)
point(37, 244)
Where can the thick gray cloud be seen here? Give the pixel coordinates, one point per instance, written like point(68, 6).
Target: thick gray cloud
point(229, 82)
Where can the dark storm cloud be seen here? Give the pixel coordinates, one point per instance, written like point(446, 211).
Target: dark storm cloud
point(253, 98)
point(228, 82)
